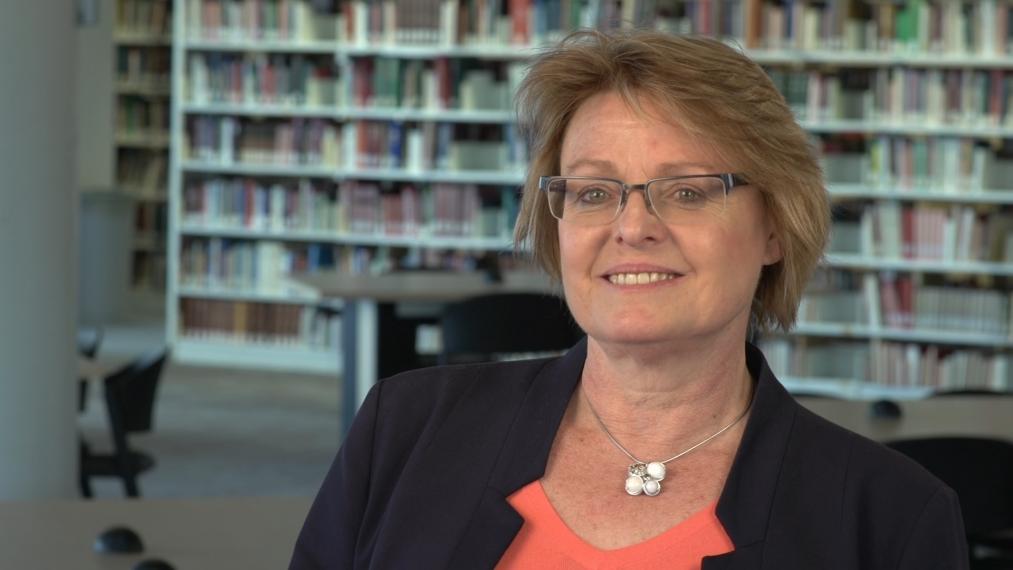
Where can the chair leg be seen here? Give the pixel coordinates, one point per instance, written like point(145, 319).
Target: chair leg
point(85, 483)
point(83, 479)
point(130, 485)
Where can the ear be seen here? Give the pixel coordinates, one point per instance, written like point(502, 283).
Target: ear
point(772, 250)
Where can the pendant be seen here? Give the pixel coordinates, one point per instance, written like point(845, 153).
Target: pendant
point(645, 478)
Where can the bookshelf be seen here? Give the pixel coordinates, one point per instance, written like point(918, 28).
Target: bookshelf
point(142, 42)
point(373, 135)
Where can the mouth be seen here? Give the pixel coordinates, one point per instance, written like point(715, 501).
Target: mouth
point(641, 278)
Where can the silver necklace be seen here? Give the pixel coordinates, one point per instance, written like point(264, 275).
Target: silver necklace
point(645, 476)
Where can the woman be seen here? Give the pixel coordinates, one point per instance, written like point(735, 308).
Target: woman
point(679, 204)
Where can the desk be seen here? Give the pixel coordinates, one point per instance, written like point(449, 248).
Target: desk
point(249, 533)
point(99, 368)
point(369, 301)
point(986, 416)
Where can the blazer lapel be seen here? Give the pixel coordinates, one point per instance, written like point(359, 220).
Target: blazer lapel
point(522, 460)
point(742, 558)
point(458, 491)
point(748, 496)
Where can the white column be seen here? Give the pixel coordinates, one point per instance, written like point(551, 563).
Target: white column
point(38, 442)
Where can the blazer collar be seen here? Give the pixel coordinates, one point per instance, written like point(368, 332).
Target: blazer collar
point(748, 496)
point(743, 507)
point(522, 459)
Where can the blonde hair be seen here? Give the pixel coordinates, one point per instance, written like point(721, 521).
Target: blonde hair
point(721, 97)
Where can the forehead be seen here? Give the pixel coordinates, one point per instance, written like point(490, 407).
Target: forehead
point(606, 131)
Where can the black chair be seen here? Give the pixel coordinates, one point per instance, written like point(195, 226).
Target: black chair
point(130, 403)
point(480, 328)
point(88, 343)
point(983, 392)
point(980, 470)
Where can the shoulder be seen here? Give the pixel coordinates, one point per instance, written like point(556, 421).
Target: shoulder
point(878, 505)
point(411, 406)
point(428, 392)
point(864, 465)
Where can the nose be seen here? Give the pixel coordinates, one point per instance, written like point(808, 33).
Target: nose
point(637, 223)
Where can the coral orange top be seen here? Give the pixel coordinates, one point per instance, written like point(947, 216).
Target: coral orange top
point(546, 542)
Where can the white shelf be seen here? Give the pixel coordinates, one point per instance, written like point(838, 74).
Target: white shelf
point(854, 261)
point(351, 113)
point(233, 352)
point(262, 110)
point(853, 389)
point(851, 58)
point(241, 169)
point(301, 297)
point(491, 177)
point(494, 116)
point(929, 195)
point(860, 331)
point(477, 51)
point(287, 358)
point(886, 127)
point(324, 236)
point(262, 45)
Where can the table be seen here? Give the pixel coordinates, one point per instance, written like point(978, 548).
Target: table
point(97, 369)
point(247, 532)
point(369, 312)
point(988, 416)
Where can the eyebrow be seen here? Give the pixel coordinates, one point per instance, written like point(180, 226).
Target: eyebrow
point(663, 169)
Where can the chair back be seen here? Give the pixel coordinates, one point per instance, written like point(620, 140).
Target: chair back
point(89, 341)
point(478, 328)
point(130, 393)
point(979, 470)
point(983, 392)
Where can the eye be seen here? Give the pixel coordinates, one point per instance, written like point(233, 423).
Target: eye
point(594, 195)
point(687, 195)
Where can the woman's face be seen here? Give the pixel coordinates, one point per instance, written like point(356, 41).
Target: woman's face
point(708, 265)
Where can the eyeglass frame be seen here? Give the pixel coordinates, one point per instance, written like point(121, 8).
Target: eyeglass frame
point(729, 179)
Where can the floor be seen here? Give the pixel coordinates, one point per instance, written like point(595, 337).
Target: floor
point(223, 432)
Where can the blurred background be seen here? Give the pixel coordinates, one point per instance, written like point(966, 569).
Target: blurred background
point(207, 208)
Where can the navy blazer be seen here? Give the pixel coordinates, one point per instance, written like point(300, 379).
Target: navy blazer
point(422, 478)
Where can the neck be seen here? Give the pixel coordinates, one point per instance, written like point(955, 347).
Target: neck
point(657, 401)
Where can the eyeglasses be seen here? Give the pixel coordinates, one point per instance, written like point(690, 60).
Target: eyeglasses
point(590, 201)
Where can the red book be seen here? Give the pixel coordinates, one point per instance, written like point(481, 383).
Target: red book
point(519, 16)
point(905, 291)
point(249, 203)
point(908, 233)
point(889, 300)
point(444, 81)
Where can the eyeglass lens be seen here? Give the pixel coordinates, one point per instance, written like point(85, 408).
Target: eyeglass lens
point(592, 201)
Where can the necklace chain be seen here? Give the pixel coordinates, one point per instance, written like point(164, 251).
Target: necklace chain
point(700, 443)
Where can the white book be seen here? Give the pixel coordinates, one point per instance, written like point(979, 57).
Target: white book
point(389, 22)
point(229, 129)
point(1001, 379)
point(413, 151)
point(448, 22)
point(870, 294)
point(277, 208)
point(866, 231)
point(986, 27)
point(360, 19)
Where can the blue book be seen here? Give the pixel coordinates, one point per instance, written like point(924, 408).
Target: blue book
point(395, 148)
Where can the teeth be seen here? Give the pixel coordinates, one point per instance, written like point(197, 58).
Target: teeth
point(639, 278)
